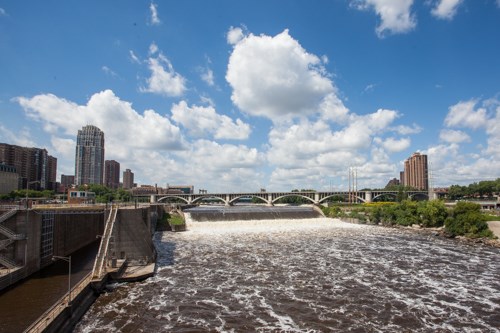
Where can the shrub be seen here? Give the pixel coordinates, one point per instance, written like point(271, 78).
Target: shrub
point(466, 220)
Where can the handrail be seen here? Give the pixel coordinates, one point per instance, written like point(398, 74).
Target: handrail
point(10, 234)
point(8, 214)
point(103, 247)
point(55, 310)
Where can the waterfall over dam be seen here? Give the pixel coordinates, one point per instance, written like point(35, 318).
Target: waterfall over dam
point(250, 212)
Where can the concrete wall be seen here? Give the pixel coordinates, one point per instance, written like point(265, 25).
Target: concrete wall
point(132, 235)
point(74, 231)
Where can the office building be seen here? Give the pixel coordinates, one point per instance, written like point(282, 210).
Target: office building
point(128, 179)
point(36, 169)
point(89, 156)
point(112, 174)
point(416, 172)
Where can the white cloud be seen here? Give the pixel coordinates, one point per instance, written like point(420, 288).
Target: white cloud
point(200, 121)
point(454, 136)
point(463, 114)
point(208, 76)
point(393, 145)
point(133, 57)
point(275, 77)
point(164, 80)
point(21, 138)
point(3, 12)
point(406, 130)
point(395, 15)
point(446, 9)
point(108, 71)
point(234, 35)
point(155, 20)
point(63, 147)
point(153, 49)
point(124, 127)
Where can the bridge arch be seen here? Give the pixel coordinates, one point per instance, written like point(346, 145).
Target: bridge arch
point(418, 196)
point(294, 194)
point(208, 196)
point(378, 195)
point(172, 197)
point(344, 195)
point(234, 199)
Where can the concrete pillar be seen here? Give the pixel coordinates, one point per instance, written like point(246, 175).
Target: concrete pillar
point(227, 199)
point(368, 196)
point(190, 199)
point(153, 198)
point(316, 198)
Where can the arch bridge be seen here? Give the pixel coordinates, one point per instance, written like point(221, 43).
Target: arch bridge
point(271, 198)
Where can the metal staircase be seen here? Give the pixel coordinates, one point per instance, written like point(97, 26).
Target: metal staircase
point(11, 237)
point(105, 242)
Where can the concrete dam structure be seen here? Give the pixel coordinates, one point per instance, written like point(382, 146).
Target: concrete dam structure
point(31, 238)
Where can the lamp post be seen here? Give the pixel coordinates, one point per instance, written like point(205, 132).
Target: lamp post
point(68, 260)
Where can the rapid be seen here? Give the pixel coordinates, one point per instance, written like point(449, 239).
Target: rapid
point(308, 275)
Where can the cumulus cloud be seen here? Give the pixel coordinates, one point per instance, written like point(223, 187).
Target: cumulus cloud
point(446, 9)
point(395, 16)
point(463, 114)
point(154, 20)
point(21, 138)
point(122, 125)
point(454, 136)
point(234, 35)
point(163, 80)
point(201, 121)
point(275, 77)
point(406, 130)
point(393, 145)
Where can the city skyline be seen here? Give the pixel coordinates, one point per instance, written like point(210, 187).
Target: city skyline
point(263, 96)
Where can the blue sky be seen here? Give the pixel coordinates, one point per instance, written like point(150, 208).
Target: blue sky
point(243, 95)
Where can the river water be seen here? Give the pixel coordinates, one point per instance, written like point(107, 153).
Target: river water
point(310, 275)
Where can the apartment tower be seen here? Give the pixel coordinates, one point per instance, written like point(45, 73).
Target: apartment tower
point(89, 156)
point(112, 174)
point(416, 172)
point(128, 179)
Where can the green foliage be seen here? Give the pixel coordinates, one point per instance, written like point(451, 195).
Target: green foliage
point(466, 220)
point(432, 213)
point(481, 189)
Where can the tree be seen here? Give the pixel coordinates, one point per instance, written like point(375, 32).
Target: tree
point(466, 220)
point(432, 213)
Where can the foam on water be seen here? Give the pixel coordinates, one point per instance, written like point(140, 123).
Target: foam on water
point(311, 275)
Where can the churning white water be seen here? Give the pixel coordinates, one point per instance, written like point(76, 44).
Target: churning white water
point(311, 275)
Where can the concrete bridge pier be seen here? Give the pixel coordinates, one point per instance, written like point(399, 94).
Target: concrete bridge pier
point(368, 196)
point(153, 199)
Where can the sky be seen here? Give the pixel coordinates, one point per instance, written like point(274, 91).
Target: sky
point(235, 96)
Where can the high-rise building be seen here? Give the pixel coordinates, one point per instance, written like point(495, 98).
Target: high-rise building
point(66, 182)
point(36, 168)
point(416, 172)
point(128, 179)
point(89, 156)
point(112, 174)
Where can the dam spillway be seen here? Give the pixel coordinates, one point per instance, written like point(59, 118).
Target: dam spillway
point(250, 212)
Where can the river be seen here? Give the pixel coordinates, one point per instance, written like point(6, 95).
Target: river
point(309, 275)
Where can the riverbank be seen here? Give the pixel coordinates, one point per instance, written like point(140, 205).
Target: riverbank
point(440, 232)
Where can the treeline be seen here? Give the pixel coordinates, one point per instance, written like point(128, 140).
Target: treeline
point(485, 188)
point(103, 194)
point(465, 219)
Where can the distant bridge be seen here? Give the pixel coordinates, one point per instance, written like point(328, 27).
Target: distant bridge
point(271, 198)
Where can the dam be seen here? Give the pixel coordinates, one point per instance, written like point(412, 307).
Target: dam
point(73, 235)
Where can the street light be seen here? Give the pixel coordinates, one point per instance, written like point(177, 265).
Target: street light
point(68, 260)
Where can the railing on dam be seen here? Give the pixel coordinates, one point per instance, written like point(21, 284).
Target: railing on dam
point(63, 303)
